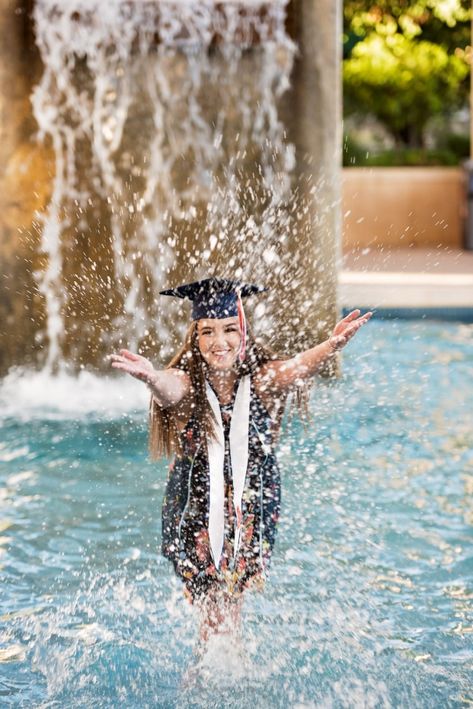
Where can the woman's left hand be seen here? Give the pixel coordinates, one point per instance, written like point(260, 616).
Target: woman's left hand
point(346, 328)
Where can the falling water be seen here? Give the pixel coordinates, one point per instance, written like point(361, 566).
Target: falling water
point(155, 112)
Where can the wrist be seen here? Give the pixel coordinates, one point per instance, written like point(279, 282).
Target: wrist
point(152, 380)
point(334, 344)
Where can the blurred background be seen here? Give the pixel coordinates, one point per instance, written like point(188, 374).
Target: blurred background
point(407, 94)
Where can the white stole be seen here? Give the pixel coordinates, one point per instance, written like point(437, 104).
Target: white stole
point(239, 427)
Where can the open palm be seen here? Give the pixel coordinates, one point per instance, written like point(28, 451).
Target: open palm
point(134, 364)
point(346, 328)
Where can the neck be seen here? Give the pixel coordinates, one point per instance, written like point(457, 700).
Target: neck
point(222, 382)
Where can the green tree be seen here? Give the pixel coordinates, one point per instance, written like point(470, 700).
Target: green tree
point(406, 61)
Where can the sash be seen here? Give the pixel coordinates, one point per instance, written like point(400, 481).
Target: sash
point(239, 427)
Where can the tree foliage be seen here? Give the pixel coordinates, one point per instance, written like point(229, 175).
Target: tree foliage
point(406, 61)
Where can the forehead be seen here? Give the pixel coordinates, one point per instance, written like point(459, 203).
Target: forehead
point(216, 322)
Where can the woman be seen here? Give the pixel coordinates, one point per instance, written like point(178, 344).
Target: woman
point(218, 407)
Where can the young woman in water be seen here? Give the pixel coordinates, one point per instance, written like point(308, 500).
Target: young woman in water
point(217, 408)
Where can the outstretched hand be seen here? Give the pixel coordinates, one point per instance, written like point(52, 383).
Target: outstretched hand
point(134, 364)
point(346, 328)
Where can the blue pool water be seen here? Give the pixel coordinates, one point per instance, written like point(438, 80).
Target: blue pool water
point(369, 601)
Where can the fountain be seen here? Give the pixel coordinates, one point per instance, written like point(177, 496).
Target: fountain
point(176, 137)
point(145, 143)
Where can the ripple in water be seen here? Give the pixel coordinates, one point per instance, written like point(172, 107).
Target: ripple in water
point(369, 600)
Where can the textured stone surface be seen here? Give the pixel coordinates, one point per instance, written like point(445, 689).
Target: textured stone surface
point(311, 113)
point(313, 118)
point(25, 177)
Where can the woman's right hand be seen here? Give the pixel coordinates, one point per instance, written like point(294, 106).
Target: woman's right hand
point(168, 386)
point(134, 364)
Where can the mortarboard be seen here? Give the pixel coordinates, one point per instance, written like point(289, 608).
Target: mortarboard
point(214, 297)
point(217, 298)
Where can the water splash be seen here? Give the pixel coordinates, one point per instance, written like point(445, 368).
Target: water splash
point(368, 602)
point(27, 395)
point(154, 111)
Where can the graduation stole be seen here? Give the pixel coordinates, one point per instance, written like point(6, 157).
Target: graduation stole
point(239, 427)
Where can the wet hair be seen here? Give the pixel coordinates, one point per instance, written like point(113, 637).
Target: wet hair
point(164, 433)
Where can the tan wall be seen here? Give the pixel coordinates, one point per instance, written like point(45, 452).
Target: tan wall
point(403, 206)
point(307, 255)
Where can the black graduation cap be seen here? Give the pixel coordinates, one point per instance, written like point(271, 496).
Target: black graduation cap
point(214, 297)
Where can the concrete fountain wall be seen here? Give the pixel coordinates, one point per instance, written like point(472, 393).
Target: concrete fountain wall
point(92, 316)
point(25, 186)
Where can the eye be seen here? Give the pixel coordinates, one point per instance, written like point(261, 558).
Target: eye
point(231, 328)
point(206, 331)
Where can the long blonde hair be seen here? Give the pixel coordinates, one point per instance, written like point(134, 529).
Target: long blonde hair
point(164, 434)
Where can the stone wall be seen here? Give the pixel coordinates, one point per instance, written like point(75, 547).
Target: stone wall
point(25, 178)
point(311, 111)
point(401, 207)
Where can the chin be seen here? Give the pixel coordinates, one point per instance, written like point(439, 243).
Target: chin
point(225, 366)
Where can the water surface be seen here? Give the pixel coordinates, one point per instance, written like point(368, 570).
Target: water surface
point(369, 601)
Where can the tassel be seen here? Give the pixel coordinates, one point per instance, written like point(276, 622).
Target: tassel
point(242, 324)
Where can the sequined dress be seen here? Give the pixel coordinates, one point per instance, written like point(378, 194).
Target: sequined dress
point(185, 518)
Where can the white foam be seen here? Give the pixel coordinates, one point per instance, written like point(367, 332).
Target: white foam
point(27, 394)
point(223, 656)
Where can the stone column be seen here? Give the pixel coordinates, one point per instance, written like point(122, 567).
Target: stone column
point(25, 174)
point(313, 117)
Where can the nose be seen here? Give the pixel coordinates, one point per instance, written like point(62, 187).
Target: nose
point(220, 338)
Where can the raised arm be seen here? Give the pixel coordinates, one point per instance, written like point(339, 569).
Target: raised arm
point(168, 386)
point(283, 374)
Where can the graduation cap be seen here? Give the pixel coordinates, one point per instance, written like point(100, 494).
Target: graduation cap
point(217, 298)
point(214, 297)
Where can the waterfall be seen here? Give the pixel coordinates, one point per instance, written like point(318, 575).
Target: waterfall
point(171, 158)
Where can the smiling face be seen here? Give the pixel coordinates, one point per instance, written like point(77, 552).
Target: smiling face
point(219, 342)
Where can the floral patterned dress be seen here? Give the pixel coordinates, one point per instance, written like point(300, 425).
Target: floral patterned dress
point(185, 517)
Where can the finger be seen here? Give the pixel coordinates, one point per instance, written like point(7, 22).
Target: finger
point(352, 328)
point(121, 365)
point(351, 316)
point(345, 325)
point(129, 369)
point(130, 355)
point(115, 358)
point(360, 320)
point(364, 318)
point(136, 373)
point(355, 326)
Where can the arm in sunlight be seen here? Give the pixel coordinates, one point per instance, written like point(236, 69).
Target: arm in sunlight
point(168, 386)
point(282, 375)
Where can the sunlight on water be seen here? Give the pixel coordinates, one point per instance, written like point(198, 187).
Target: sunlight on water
point(369, 599)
